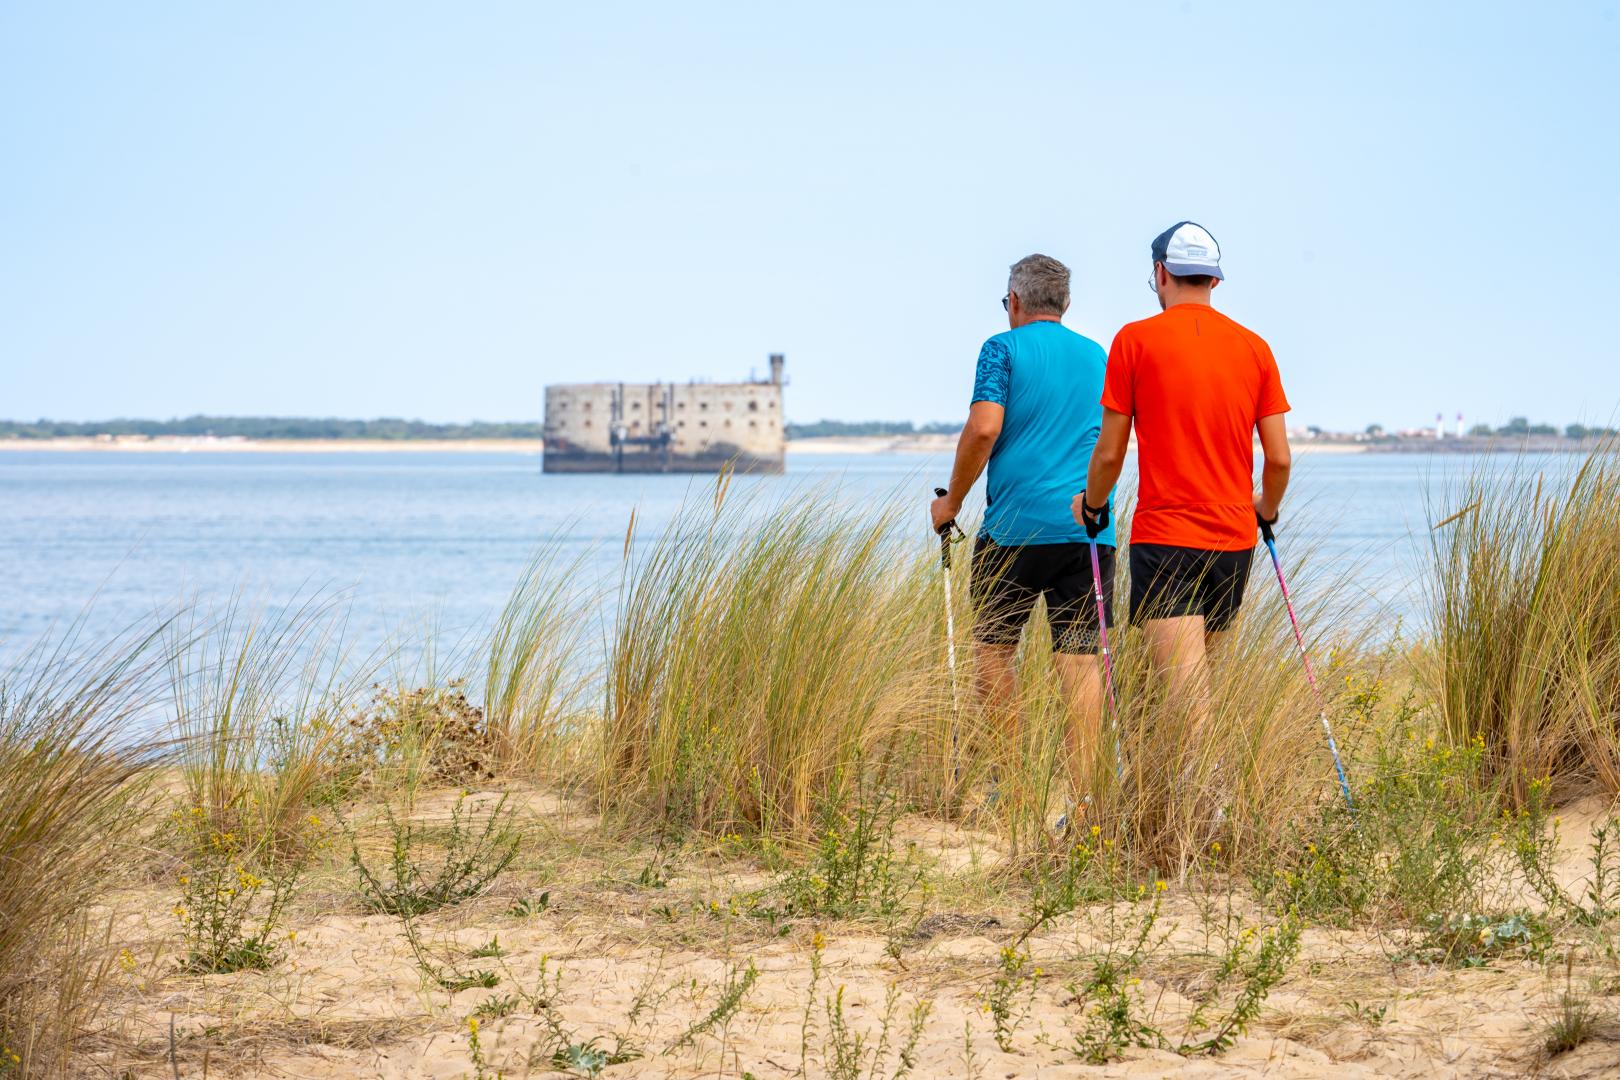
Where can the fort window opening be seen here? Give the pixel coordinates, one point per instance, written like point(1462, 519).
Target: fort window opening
point(753, 406)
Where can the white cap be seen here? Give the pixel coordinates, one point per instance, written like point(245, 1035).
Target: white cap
point(1186, 248)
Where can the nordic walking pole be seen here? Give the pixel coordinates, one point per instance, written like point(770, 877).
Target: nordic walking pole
point(945, 541)
point(1310, 675)
point(1107, 659)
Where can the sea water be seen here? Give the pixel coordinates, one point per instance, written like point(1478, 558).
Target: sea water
point(419, 545)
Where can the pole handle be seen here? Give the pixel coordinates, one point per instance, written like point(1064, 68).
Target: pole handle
point(945, 534)
point(1265, 527)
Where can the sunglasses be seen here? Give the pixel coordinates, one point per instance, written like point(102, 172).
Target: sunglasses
point(1004, 300)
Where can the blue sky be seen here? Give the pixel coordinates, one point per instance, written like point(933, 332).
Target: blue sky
point(434, 210)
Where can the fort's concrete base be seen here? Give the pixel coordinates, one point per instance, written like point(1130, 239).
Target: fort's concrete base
point(579, 461)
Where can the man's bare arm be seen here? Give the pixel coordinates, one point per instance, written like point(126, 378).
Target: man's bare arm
point(973, 448)
point(1279, 461)
point(1108, 456)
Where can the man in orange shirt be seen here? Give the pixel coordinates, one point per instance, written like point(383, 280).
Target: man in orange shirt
point(1197, 386)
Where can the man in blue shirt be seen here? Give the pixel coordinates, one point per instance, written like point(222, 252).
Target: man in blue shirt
point(1034, 419)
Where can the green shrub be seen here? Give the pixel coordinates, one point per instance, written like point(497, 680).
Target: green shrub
point(475, 848)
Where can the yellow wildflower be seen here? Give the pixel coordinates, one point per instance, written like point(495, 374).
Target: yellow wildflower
point(126, 960)
point(819, 941)
point(1161, 885)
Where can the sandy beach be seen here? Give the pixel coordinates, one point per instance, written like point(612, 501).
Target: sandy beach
point(615, 956)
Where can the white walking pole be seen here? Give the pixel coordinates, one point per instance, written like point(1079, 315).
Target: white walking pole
point(945, 541)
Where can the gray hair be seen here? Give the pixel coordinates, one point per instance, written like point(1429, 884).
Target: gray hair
point(1042, 283)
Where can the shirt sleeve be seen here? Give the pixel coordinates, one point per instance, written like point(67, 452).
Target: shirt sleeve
point(1119, 379)
point(1272, 401)
point(994, 373)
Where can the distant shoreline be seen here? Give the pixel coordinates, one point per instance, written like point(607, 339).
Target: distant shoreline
point(185, 444)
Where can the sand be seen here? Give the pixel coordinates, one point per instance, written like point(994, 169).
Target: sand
point(205, 444)
point(644, 940)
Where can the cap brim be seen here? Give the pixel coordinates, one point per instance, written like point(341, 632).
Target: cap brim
point(1184, 269)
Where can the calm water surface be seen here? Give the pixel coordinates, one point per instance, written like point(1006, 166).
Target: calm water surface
point(419, 539)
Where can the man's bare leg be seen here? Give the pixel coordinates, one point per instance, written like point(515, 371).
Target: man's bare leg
point(995, 684)
point(1177, 647)
point(1082, 681)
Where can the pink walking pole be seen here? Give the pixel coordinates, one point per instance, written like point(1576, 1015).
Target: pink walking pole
point(1107, 659)
point(1310, 675)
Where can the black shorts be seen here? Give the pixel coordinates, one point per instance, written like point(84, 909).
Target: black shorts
point(1006, 582)
point(1170, 582)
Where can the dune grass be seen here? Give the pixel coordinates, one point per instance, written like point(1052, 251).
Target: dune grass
point(72, 803)
point(1524, 613)
point(261, 704)
point(756, 667)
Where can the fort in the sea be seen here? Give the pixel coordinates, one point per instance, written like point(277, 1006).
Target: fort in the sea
point(666, 427)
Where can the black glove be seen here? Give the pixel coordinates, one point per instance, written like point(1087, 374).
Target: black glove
point(1095, 517)
point(1266, 524)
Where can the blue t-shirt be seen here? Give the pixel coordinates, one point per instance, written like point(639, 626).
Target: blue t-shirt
point(1050, 381)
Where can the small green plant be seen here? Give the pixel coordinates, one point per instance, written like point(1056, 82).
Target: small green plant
point(233, 894)
point(1257, 961)
point(1535, 844)
point(851, 1055)
point(1087, 872)
point(561, 1048)
point(496, 1007)
point(474, 855)
point(1420, 842)
point(1574, 1019)
point(1471, 941)
point(489, 950)
point(486, 980)
point(1371, 1015)
point(818, 945)
point(1110, 998)
point(1015, 979)
point(732, 991)
point(529, 907)
point(855, 867)
point(1116, 1016)
point(475, 1049)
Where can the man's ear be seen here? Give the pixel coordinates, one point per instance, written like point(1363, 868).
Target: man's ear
point(1214, 282)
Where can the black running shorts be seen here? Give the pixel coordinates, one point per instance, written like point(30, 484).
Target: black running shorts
point(1170, 582)
point(1007, 581)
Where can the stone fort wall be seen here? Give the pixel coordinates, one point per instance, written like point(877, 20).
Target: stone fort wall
point(665, 427)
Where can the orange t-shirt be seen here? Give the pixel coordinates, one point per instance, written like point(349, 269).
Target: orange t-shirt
point(1196, 383)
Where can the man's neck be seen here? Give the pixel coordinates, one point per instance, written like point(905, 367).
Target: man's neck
point(1188, 295)
point(1038, 318)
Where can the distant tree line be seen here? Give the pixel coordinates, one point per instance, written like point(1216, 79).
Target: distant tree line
point(832, 428)
point(1521, 425)
point(273, 427)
